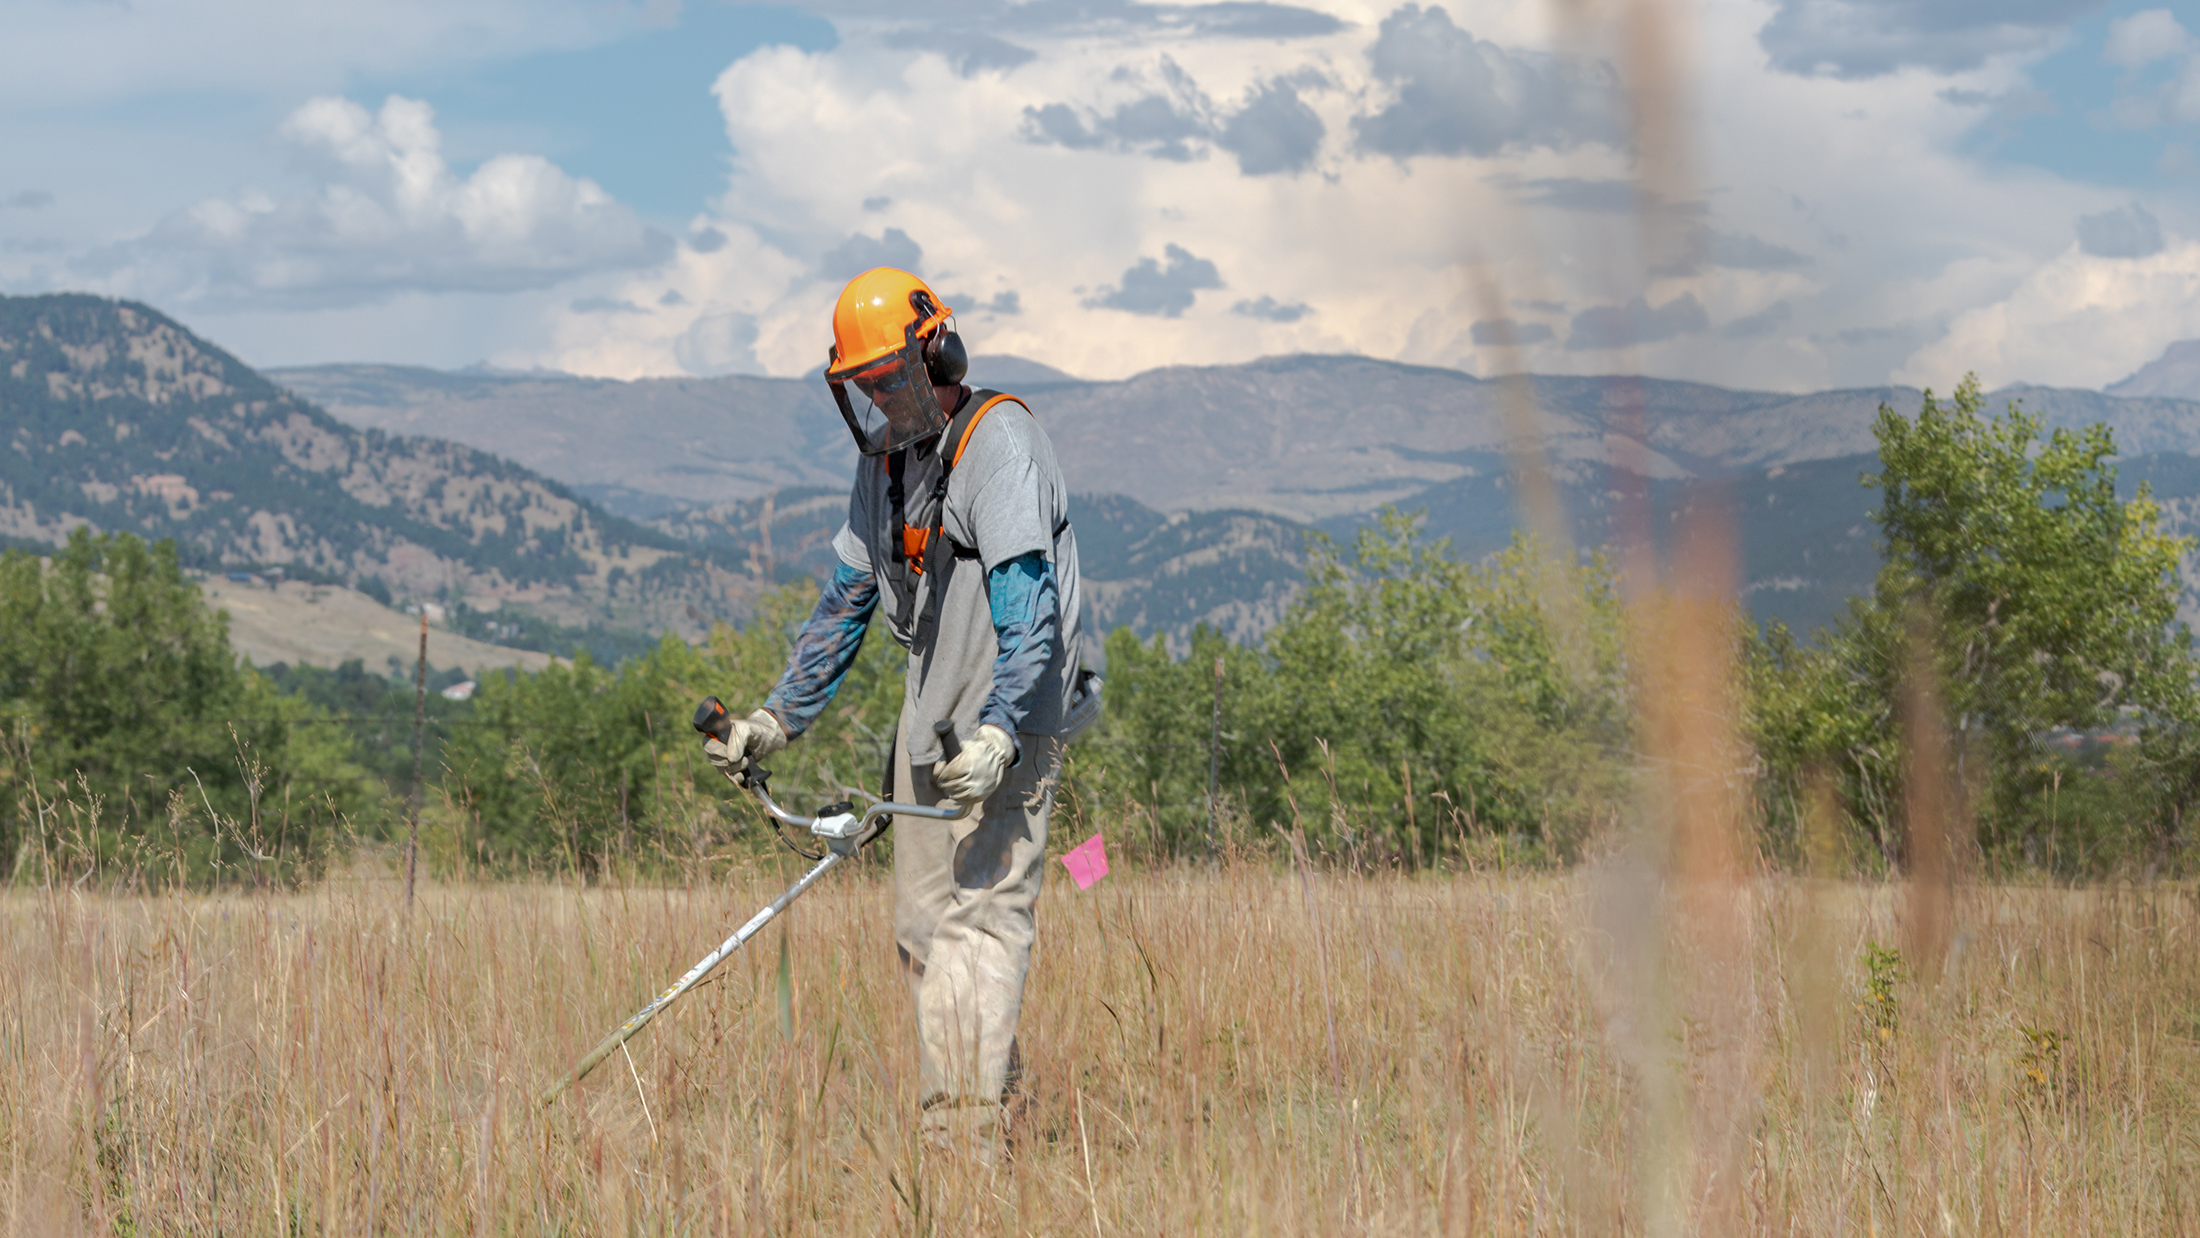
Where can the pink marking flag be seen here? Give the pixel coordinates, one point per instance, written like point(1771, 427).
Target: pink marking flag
point(1087, 862)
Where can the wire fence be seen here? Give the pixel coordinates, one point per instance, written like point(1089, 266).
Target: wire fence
point(432, 720)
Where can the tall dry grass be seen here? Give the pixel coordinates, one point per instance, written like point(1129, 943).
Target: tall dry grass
point(1235, 1050)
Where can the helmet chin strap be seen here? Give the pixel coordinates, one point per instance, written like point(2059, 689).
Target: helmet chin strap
point(848, 414)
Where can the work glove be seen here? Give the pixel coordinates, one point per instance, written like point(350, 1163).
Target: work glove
point(977, 772)
point(754, 738)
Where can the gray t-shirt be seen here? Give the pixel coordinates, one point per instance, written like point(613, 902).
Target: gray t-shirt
point(1004, 499)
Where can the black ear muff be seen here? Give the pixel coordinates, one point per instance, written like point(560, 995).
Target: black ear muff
point(945, 358)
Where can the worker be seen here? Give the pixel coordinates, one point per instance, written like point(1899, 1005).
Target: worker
point(959, 525)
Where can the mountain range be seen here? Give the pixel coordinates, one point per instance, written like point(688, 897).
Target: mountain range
point(116, 417)
point(1303, 437)
point(119, 418)
point(2176, 373)
point(1279, 446)
point(669, 503)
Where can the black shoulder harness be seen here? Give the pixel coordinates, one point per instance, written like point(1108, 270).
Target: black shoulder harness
point(913, 550)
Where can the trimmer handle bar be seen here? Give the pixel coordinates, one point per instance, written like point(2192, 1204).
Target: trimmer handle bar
point(844, 833)
point(836, 823)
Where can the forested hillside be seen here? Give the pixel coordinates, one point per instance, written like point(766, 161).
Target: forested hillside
point(1301, 438)
point(1150, 571)
point(118, 418)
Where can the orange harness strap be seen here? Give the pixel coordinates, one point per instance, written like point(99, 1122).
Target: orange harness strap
point(963, 444)
point(914, 541)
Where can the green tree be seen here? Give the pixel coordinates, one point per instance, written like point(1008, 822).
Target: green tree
point(132, 729)
point(1495, 692)
point(585, 768)
point(375, 712)
point(1496, 688)
point(2046, 604)
point(1147, 759)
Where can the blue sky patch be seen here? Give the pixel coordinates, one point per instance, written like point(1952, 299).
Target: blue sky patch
point(2066, 124)
point(635, 114)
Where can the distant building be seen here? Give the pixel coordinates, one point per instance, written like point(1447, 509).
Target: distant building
point(459, 691)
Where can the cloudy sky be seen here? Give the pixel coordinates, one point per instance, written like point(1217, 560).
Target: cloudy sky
point(1852, 191)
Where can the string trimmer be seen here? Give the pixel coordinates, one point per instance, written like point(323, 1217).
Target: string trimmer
point(843, 832)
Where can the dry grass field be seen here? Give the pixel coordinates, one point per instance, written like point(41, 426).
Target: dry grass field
point(1235, 1050)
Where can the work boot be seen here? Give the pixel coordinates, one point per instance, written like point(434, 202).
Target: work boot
point(966, 1127)
point(983, 1130)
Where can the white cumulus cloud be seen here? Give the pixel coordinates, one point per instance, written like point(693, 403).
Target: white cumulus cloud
point(2146, 37)
point(1239, 155)
point(385, 213)
point(2141, 40)
point(2078, 321)
point(1441, 184)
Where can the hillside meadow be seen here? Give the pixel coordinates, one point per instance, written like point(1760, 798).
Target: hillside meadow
point(1235, 1048)
point(1539, 904)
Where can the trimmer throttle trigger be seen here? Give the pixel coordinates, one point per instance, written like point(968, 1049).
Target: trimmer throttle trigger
point(950, 746)
point(712, 719)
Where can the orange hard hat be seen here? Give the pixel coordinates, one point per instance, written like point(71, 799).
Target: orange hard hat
point(872, 316)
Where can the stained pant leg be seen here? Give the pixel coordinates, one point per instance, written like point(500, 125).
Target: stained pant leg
point(963, 924)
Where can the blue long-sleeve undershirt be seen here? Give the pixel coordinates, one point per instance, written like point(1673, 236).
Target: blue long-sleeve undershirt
point(1027, 607)
point(824, 649)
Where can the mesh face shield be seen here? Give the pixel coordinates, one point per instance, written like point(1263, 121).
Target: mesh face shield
point(901, 408)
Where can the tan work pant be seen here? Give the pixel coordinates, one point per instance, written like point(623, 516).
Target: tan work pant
point(963, 898)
